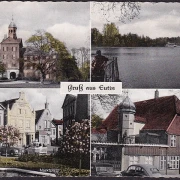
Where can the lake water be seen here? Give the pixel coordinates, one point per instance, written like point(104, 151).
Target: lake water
point(146, 67)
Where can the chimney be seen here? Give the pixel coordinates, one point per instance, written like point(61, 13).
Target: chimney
point(156, 95)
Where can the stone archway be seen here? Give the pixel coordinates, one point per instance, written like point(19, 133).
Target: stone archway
point(12, 75)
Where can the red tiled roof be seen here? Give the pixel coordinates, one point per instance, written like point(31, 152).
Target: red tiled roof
point(98, 131)
point(111, 122)
point(174, 127)
point(158, 113)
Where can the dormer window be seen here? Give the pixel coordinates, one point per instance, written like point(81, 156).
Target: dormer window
point(173, 140)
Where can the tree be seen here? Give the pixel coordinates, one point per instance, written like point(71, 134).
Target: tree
point(110, 32)
point(68, 70)
point(47, 51)
point(96, 37)
point(85, 71)
point(9, 134)
point(2, 68)
point(96, 121)
point(76, 144)
point(82, 56)
point(118, 10)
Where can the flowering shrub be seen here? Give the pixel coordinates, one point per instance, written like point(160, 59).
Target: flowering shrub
point(9, 134)
point(76, 144)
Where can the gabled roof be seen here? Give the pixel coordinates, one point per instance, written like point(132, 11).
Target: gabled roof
point(111, 122)
point(57, 122)
point(32, 51)
point(38, 115)
point(98, 131)
point(11, 40)
point(158, 112)
point(69, 98)
point(9, 102)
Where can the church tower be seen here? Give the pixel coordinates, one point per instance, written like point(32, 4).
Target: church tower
point(12, 30)
point(126, 111)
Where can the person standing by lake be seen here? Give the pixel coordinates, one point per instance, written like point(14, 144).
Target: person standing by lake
point(98, 67)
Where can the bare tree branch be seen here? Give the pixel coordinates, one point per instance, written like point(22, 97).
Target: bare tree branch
point(122, 11)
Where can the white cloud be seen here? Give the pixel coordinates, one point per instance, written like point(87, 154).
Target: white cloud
point(154, 20)
point(37, 98)
point(72, 35)
point(32, 16)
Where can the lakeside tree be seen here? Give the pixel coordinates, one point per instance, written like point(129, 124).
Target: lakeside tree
point(111, 37)
point(110, 33)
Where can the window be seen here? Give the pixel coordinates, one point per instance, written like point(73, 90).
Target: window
point(149, 160)
point(3, 48)
point(54, 132)
point(163, 162)
point(6, 48)
point(20, 123)
point(45, 124)
point(174, 162)
point(20, 111)
point(133, 160)
point(39, 127)
point(173, 140)
point(27, 124)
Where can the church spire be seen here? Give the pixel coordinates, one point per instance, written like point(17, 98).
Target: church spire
point(46, 104)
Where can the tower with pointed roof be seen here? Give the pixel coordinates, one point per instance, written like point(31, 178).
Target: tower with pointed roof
point(126, 111)
point(11, 51)
point(12, 30)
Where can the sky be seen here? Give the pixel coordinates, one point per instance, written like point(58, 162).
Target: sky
point(139, 95)
point(37, 98)
point(155, 20)
point(66, 21)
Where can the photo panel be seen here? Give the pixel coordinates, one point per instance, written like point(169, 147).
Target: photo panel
point(136, 135)
point(136, 43)
point(43, 48)
point(44, 133)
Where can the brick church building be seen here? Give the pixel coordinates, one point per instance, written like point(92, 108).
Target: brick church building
point(11, 51)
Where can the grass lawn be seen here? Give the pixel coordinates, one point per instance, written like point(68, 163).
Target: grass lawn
point(63, 169)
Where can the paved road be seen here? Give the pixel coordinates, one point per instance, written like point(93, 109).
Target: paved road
point(27, 84)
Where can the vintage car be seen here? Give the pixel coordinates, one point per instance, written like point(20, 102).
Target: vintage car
point(102, 169)
point(6, 149)
point(141, 170)
point(36, 148)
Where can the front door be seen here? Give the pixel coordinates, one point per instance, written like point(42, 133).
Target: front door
point(28, 139)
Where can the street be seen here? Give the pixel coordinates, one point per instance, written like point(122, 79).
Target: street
point(28, 84)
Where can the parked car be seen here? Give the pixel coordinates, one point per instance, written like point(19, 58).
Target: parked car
point(141, 170)
point(10, 150)
point(36, 148)
point(102, 169)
